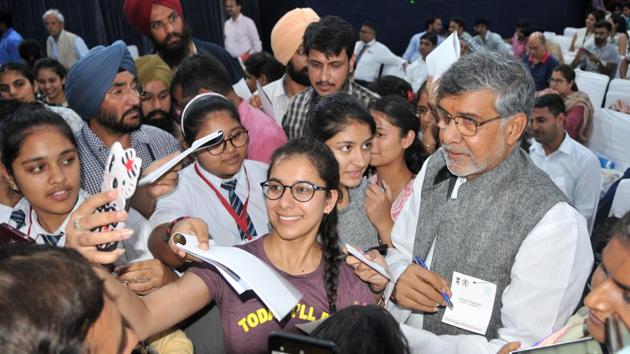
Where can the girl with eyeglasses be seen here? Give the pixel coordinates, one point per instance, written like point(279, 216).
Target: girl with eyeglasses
point(301, 191)
point(344, 124)
point(220, 187)
point(397, 155)
point(18, 84)
point(579, 110)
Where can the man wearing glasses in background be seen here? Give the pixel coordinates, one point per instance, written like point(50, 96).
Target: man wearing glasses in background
point(482, 216)
point(102, 88)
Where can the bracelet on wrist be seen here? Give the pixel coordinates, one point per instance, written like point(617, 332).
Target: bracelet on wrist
point(167, 235)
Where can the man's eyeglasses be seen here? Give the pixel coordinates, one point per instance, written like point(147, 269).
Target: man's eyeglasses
point(238, 139)
point(301, 191)
point(467, 126)
point(119, 91)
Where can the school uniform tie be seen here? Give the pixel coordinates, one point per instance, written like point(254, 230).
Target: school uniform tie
point(19, 217)
point(237, 205)
point(51, 240)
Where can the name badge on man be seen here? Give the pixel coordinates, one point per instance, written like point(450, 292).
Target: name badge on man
point(473, 300)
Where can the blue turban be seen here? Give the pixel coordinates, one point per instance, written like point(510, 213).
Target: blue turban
point(92, 76)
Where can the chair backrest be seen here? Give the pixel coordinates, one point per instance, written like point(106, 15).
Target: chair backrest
point(593, 84)
point(133, 50)
point(610, 137)
point(619, 85)
point(549, 35)
point(614, 96)
point(569, 31)
point(563, 41)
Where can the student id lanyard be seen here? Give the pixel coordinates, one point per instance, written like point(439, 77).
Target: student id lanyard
point(241, 220)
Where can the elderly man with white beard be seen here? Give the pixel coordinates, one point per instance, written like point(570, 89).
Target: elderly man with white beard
point(484, 229)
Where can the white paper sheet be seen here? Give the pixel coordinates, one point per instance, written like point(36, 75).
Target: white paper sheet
point(377, 267)
point(241, 89)
point(473, 301)
point(267, 106)
point(277, 293)
point(442, 57)
point(159, 172)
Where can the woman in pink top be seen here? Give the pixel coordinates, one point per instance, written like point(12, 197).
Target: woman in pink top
point(519, 39)
point(579, 122)
point(397, 155)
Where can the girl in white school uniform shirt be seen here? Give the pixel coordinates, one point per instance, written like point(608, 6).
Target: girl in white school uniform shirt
point(202, 190)
point(41, 160)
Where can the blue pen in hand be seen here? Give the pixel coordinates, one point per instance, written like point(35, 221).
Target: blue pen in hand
point(417, 260)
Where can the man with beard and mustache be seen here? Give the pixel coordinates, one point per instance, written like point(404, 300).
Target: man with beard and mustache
point(481, 213)
point(155, 99)
point(599, 56)
point(286, 42)
point(329, 45)
point(102, 88)
point(571, 165)
point(162, 21)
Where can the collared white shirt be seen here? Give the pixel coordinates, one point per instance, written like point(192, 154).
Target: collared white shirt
point(575, 170)
point(417, 73)
point(192, 197)
point(536, 302)
point(376, 54)
point(278, 97)
point(241, 36)
point(136, 247)
point(80, 48)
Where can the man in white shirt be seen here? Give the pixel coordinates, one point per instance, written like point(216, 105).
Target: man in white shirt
point(241, 35)
point(416, 73)
point(433, 25)
point(481, 209)
point(286, 42)
point(372, 55)
point(62, 45)
point(571, 165)
point(487, 39)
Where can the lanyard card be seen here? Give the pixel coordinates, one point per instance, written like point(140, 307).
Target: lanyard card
point(121, 172)
point(473, 301)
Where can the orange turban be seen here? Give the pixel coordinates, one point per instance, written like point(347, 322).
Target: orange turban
point(288, 33)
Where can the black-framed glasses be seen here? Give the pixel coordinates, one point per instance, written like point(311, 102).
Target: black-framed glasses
point(238, 140)
point(301, 191)
point(467, 126)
